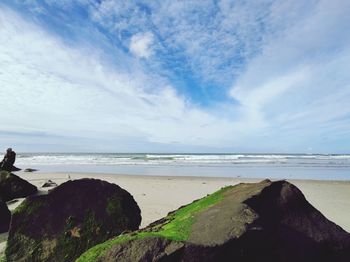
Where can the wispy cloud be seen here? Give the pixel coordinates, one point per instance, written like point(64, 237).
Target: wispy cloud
point(298, 86)
point(50, 87)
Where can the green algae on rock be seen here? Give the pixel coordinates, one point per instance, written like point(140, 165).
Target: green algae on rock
point(266, 221)
point(70, 219)
point(175, 226)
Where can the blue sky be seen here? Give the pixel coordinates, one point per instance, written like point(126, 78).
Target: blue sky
point(175, 76)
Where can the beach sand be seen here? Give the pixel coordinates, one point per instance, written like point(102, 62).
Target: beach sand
point(158, 195)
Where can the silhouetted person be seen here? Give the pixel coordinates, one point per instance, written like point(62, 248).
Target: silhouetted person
point(9, 160)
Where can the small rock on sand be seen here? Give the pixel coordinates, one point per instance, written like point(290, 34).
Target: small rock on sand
point(29, 170)
point(49, 183)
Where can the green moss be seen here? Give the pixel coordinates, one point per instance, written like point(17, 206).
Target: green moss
point(28, 208)
point(20, 247)
point(4, 175)
point(113, 206)
point(77, 237)
point(176, 226)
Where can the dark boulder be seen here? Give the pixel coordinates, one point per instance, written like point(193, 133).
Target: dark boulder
point(49, 183)
point(70, 219)
point(14, 169)
point(267, 221)
point(12, 186)
point(5, 217)
point(30, 170)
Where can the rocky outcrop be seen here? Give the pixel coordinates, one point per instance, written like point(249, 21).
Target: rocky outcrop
point(5, 217)
point(70, 219)
point(267, 221)
point(12, 186)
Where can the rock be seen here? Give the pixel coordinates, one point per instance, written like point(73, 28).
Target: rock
point(12, 186)
point(14, 169)
point(267, 221)
point(70, 219)
point(149, 249)
point(5, 217)
point(49, 183)
point(30, 170)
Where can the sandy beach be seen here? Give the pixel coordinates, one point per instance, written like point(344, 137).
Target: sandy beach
point(157, 195)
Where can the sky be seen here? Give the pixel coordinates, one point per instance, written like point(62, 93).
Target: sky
point(175, 76)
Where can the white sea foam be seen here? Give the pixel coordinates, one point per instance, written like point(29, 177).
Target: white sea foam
point(183, 159)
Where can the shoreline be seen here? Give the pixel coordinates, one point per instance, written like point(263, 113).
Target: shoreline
point(108, 174)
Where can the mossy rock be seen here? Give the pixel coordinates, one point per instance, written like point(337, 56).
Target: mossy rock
point(267, 221)
point(69, 220)
point(12, 186)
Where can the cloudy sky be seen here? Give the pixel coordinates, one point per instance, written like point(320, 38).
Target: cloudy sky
point(175, 76)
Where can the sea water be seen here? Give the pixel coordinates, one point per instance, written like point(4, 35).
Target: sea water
point(275, 166)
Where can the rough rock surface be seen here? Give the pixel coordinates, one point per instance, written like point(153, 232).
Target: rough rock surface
point(5, 217)
point(148, 249)
point(12, 186)
point(266, 221)
point(70, 219)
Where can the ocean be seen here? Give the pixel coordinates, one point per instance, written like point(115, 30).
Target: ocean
point(275, 166)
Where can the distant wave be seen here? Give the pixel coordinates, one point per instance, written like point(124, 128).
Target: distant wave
point(37, 159)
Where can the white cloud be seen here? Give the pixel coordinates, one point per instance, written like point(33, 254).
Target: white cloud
point(50, 88)
point(141, 44)
point(298, 87)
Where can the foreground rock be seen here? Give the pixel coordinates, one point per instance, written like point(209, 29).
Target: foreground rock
point(70, 219)
point(12, 186)
point(5, 217)
point(267, 221)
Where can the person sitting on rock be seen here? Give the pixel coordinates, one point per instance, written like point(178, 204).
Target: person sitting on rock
point(9, 160)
